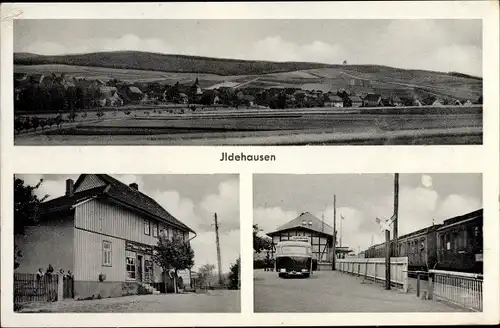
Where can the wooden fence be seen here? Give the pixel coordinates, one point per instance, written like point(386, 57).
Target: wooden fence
point(29, 287)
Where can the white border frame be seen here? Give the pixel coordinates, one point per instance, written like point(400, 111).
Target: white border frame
point(354, 159)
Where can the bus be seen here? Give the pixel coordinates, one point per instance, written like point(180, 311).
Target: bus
point(294, 258)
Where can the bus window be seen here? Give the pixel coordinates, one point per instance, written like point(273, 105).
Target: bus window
point(294, 250)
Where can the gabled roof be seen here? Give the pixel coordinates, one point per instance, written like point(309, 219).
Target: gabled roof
point(135, 90)
point(118, 192)
point(316, 225)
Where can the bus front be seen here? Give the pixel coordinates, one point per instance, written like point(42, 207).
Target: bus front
point(293, 258)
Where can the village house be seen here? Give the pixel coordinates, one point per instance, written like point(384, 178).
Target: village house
point(467, 103)
point(333, 101)
point(372, 100)
point(356, 101)
point(103, 231)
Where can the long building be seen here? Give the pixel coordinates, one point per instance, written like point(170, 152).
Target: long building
point(100, 228)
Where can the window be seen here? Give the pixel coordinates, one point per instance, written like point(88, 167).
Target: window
point(130, 260)
point(147, 227)
point(106, 253)
point(442, 242)
point(295, 250)
point(422, 244)
point(155, 229)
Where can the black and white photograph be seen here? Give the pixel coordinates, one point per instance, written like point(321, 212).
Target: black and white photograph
point(402, 243)
point(248, 82)
point(126, 243)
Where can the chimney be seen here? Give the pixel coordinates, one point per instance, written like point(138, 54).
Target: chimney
point(134, 186)
point(69, 187)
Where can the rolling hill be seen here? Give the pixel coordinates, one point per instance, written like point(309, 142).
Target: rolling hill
point(144, 66)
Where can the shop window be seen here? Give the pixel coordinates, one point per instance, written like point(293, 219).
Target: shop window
point(106, 253)
point(130, 262)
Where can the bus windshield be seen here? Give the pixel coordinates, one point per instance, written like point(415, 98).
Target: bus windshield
point(294, 250)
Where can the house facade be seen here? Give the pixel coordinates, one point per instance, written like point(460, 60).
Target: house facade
point(104, 231)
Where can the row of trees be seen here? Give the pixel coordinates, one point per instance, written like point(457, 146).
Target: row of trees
point(56, 97)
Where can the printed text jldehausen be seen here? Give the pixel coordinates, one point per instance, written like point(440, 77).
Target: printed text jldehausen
point(242, 157)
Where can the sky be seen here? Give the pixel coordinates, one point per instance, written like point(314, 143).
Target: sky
point(360, 198)
point(439, 45)
point(193, 199)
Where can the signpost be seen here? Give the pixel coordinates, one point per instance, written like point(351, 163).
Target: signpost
point(334, 232)
point(385, 226)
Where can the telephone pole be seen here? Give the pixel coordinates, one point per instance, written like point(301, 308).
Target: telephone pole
point(334, 231)
point(218, 248)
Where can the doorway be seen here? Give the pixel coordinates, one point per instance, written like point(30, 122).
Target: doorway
point(139, 267)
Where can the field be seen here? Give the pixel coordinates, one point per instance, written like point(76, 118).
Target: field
point(269, 127)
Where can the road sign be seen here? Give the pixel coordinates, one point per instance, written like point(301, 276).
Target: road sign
point(386, 225)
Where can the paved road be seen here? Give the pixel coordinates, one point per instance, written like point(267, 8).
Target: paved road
point(328, 291)
point(212, 302)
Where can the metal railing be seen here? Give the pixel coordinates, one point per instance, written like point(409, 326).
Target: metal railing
point(459, 288)
point(374, 269)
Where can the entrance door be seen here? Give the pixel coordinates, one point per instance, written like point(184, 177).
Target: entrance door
point(139, 268)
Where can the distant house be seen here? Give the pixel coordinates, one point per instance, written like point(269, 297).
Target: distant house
point(392, 100)
point(372, 100)
point(104, 231)
point(356, 101)
point(433, 101)
point(249, 100)
point(467, 103)
point(457, 102)
point(334, 101)
point(134, 93)
point(183, 98)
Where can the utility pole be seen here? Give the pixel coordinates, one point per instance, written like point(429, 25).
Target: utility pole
point(323, 222)
point(396, 207)
point(387, 259)
point(334, 231)
point(218, 248)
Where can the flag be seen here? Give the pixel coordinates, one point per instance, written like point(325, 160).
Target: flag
point(345, 62)
point(377, 220)
point(341, 216)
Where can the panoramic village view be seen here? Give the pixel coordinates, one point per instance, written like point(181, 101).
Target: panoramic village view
point(126, 243)
point(137, 89)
